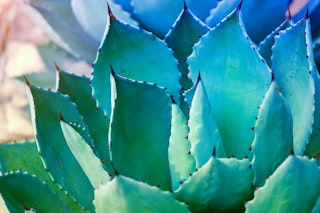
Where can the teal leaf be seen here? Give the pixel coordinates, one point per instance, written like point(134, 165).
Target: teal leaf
point(298, 196)
point(24, 156)
point(235, 85)
point(57, 157)
point(256, 12)
point(88, 161)
point(185, 32)
point(159, 16)
point(204, 136)
point(25, 192)
point(221, 185)
point(222, 10)
point(182, 163)
point(123, 194)
point(140, 131)
point(316, 208)
point(265, 46)
point(130, 51)
point(79, 90)
point(55, 18)
point(273, 140)
point(292, 67)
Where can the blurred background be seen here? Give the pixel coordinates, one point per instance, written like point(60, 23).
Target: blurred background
point(20, 55)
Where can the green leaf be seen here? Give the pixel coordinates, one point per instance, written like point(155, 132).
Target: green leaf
point(293, 187)
point(55, 18)
point(24, 156)
point(26, 192)
point(126, 195)
point(182, 163)
point(79, 90)
point(236, 79)
point(130, 51)
point(58, 159)
point(291, 65)
point(159, 16)
point(221, 185)
point(185, 32)
point(254, 13)
point(140, 131)
point(88, 161)
point(273, 140)
point(204, 136)
point(316, 208)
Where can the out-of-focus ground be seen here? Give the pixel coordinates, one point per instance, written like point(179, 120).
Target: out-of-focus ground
point(18, 55)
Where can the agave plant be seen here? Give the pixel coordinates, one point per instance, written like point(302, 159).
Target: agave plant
point(198, 119)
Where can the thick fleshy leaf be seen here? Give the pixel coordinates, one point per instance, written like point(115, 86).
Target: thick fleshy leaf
point(58, 158)
point(273, 140)
point(90, 164)
point(265, 46)
point(292, 67)
point(313, 147)
point(182, 163)
point(24, 156)
point(159, 16)
point(298, 196)
point(56, 17)
point(223, 9)
point(235, 85)
point(221, 185)
point(79, 90)
point(124, 194)
point(257, 19)
point(26, 192)
point(316, 208)
point(140, 131)
point(184, 34)
point(130, 51)
point(204, 136)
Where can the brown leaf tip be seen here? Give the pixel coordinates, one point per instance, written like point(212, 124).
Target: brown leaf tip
point(26, 80)
point(56, 66)
point(110, 13)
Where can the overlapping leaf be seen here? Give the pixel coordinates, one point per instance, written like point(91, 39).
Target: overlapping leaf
point(140, 131)
point(292, 70)
point(131, 52)
point(234, 84)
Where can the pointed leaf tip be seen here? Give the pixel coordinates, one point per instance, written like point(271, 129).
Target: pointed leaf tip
point(240, 5)
point(185, 7)
point(56, 66)
point(26, 80)
point(113, 73)
point(307, 13)
point(111, 16)
point(61, 118)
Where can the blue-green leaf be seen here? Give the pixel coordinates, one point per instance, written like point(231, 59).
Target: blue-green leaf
point(204, 136)
point(221, 185)
point(159, 16)
point(223, 9)
point(181, 161)
point(140, 131)
point(79, 90)
point(236, 79)
point(292, 67)
point(58, 159)
point(273, 140)
point(130, 51)
point(184, 34)
point(298, 196)
point(123, 194)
